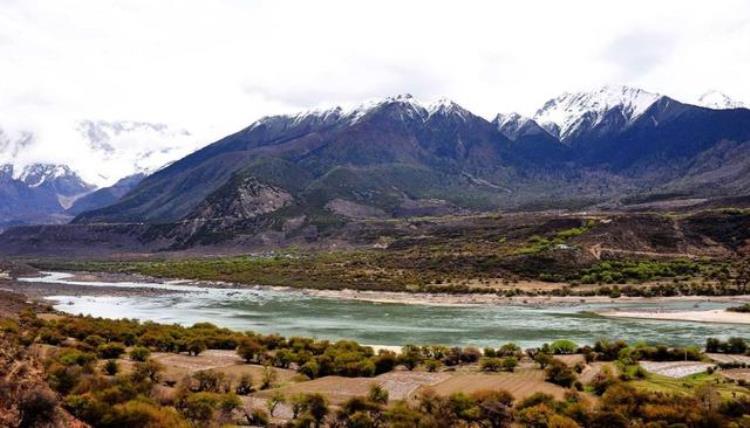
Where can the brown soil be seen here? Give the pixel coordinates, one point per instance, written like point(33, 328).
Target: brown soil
point(521, 384)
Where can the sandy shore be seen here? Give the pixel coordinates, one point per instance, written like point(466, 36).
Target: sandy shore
point(711, 316)
point(443, 299)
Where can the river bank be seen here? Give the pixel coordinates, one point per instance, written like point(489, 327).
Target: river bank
point(706, 316)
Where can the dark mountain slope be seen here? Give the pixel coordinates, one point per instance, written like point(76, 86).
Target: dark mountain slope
point(384, 155)
point(105, 196)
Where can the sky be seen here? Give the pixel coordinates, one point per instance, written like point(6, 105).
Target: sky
point(213, 67)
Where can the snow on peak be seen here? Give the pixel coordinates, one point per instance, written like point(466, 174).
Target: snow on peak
point(513, 125)
point(410, 107)
point(406, 106)
point(447, 106)
point(718, 101)
point(37, 174)
point(567, 114)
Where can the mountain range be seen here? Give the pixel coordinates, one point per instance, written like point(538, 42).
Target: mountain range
point(299, 174)
point(400, 157)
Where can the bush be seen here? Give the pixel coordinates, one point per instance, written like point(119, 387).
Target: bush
point(110, 351)
point(250, 350)
point(603, 380)
point(196, 346)
point(245, 385)
point(432, 365)
point(509, 363)
point(543, 359)
point(491, 364)
point(743, 308)
point(140, 353)
point(509, 350)
point(470, 355)
point(559, 373)
point(563, 347)
point(211, 381)
point(111, 367)
point(200, 407)
point(36, 406)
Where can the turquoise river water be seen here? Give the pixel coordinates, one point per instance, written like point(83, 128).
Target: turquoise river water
point(291, 312)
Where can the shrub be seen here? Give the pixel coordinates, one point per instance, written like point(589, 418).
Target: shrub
point(603, 380)
point(137, 413)
point(111, 367)
point(509, 363)
point(269, 377)
point(491, 364)
point(742, 308)
point(200, 407)
point(250, 350)
point(385, 361)
point(196, 346)
point(378, 394)
point(509, 350)
point(110, 350)
point(470, 355)
point(139, 353)
point(563, 346)
point(543, 359)
point(559, 373)
point(211, 381)
point(432, 365)
point(245, 385)
point(36, 406)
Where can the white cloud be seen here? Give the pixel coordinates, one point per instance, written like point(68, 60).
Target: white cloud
point(214, 67)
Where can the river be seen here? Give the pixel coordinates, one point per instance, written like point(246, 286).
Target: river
point(294, 313)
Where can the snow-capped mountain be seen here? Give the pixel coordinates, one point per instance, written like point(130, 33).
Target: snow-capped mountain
point(125, 148)
point(402, 106)
point(38, 193)
point(100, 151)
point(515, 126)
point(608, 109)
point(58, 180)
point(718, 101)
point(34, 187)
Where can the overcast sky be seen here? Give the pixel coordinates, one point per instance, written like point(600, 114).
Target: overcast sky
point(215, 66)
